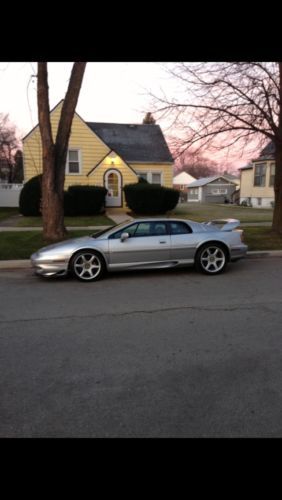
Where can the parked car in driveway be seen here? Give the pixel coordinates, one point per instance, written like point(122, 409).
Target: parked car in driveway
point(145, 244)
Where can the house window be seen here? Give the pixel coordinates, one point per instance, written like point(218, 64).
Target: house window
point(259, 179)
point(151, 177)
point(156, 178)
point(143, 175)
point(113, 184)
point(219, 191)
point(259, 201)
point(272, 174)
point(194, 192)
point(73, 161)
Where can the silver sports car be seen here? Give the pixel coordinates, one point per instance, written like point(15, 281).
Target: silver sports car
point(145, 244)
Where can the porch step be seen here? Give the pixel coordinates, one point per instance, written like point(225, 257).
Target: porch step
point(118, 216)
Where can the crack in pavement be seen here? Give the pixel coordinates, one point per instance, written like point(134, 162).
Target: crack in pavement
point(237, 307)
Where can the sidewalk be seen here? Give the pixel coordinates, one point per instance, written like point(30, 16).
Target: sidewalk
point(118, 218)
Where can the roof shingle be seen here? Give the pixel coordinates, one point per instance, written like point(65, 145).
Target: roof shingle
point(134, 143)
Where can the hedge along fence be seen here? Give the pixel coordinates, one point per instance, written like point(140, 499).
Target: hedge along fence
point(30, 197)
point(78, 200)
point(143, 198)
point(84, 200)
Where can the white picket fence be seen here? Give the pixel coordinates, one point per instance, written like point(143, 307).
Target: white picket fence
point(9, 194)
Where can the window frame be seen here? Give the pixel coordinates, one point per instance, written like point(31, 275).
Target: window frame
point(260, 176)
point(218, 191)
point(271, 176)
point(190, 231)
point(125, 230)
point(79, 162)
point(149, 176)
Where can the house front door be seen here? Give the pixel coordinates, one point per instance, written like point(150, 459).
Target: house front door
point(113, 185)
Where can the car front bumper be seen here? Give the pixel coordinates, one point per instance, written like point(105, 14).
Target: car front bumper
point(48, 267)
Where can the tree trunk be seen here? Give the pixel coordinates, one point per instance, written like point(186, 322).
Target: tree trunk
point(277, 214)
point(52, 202)
point(54, 154)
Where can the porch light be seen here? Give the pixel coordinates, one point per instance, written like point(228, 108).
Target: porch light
point(113, 156)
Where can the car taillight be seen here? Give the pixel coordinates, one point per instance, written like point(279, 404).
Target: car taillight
point(242, 236)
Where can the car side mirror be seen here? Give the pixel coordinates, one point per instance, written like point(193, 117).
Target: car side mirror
point(124, 236)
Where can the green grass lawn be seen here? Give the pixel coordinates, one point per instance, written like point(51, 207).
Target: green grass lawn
point(7, 212)
point(93, 220)
point(261, 238)
point(203, 212)
point(20, 245)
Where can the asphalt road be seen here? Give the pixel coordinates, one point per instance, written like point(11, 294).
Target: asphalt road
point(155, 354)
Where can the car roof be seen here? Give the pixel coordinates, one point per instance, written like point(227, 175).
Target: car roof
point(163, 219)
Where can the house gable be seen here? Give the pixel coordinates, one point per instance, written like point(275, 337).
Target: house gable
point(92, 149)
point(112, 161)
point(222, 180)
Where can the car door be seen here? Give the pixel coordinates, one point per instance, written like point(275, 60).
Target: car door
point(182, 241)
point(148, 242)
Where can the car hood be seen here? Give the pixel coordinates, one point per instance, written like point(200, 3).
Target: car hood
point(67, 244)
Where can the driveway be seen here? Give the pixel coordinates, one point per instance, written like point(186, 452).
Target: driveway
point(155, 354)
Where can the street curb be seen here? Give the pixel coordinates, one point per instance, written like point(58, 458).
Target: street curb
point(263, 253)
point(15, 264)
point(25, 264)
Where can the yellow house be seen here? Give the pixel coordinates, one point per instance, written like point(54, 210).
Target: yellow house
point(105, 154)
point(257, 179)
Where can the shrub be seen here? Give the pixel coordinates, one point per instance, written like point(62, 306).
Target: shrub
point(84, 200)
point(246, 203)
point(30, 197)
point(78, 200)
point(145, 198)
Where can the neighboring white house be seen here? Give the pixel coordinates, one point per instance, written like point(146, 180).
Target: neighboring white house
point(215, 189)
point(181, 182)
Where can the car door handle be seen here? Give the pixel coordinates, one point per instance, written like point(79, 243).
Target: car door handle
point(162, 241)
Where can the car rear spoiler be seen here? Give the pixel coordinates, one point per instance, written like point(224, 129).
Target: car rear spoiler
point(224, 224)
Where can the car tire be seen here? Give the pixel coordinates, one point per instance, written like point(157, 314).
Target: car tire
point(211, 259)
point(87, 266)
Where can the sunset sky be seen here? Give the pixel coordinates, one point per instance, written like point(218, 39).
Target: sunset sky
point(111, 92)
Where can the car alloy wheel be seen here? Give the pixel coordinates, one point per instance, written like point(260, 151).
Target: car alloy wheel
point(87, 266)
point(211, 259)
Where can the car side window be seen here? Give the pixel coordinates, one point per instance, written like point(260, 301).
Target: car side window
point(179, 228)
point(151, 229)
point(158, 228)
point(130, 230)
point(143, 229)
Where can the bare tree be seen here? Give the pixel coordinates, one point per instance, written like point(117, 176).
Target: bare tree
point(54, 153)
point(227, 105)
point(8, 145)
point(197, 165)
